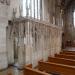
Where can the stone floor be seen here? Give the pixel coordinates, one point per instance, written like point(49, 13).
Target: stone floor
point(11, 71)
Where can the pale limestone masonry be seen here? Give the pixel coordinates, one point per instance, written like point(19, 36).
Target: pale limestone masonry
point(7, 48)
point(30, 51)
point(3, 24)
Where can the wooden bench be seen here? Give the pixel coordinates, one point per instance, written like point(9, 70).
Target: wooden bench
point(9, 74)
point(30, 71)
point(65, 56)
point(62, 61)
point(68, 52)
point(56, 68)
point(30, 65)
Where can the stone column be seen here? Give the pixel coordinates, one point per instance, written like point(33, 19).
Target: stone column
point(21, 51)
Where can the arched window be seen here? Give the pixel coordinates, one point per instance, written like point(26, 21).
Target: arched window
point(32, 8)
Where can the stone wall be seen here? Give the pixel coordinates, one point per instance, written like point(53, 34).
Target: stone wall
point(14, 4)
point(7, 42)
point(3, 24)
point(48, 16)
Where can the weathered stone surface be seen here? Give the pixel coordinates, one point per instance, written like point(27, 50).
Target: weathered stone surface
point(3, 24)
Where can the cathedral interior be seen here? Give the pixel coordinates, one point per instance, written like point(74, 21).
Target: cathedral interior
point(37, 37)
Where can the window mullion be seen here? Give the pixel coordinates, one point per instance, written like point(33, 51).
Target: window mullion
point(40, 9)
point(31, 8)
point(27, 8)
point(37, 9)
point(34, 8)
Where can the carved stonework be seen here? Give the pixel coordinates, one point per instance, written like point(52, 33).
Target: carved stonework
point(33, 41)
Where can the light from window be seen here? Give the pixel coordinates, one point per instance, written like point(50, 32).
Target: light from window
point(32, 8)
point(74, 18)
